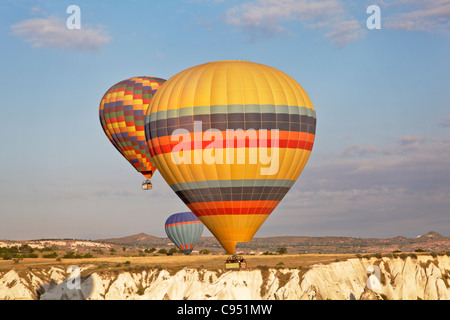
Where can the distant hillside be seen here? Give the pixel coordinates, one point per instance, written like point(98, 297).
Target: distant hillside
point(59, 244)
point(431, 241)
point(140, 239)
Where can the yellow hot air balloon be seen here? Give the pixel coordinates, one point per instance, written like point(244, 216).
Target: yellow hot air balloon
point(231, 138)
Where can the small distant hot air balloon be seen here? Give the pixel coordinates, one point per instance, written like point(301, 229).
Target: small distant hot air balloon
point(122, 111)
point(184, 229)
point(231, 138)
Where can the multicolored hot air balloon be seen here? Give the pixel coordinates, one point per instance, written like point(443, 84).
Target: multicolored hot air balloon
point(184, 229)
point(122, 111)
point(231, 138)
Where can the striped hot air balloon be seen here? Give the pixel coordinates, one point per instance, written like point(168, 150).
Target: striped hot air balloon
point(184, 229)
point(231, 138)
point(122, 111)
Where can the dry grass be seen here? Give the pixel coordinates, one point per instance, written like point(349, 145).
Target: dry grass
point(295, 261)
point(175, 262)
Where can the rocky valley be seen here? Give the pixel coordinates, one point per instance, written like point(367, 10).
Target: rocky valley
point(424, 277)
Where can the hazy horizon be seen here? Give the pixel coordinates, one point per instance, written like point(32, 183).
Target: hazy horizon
point(211, 236)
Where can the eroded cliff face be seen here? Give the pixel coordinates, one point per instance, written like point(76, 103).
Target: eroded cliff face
point(424, 278)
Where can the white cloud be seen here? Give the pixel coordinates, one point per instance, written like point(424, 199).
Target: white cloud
point(361, 150)
point(345, 32)
point(52, 32)
point(424, 15)
point(403, 187)
point(445, 122)
point(37, 10)
point(265, 17)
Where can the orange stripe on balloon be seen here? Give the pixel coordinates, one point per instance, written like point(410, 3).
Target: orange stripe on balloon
point(296, 140)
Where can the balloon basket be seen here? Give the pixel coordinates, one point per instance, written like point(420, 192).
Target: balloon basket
point(147, 185)
point(235, 262)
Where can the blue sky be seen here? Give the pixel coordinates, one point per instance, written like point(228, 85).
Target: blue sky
point(380, 165)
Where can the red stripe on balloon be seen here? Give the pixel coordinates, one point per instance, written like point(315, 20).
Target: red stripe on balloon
point(180, 223)
point(232, 207)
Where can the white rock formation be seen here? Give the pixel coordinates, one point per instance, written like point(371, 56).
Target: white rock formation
point(424, 278)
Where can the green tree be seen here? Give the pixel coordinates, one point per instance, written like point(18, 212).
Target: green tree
point(69, 255)
point(25, 248)
point(172, 251)
point(50, 255)
point(18, 259)
point(282, 250)
point(7, 256)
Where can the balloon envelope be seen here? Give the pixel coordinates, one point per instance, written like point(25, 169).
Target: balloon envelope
point(122, 111)
point(231, 138)
point(184, 229)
